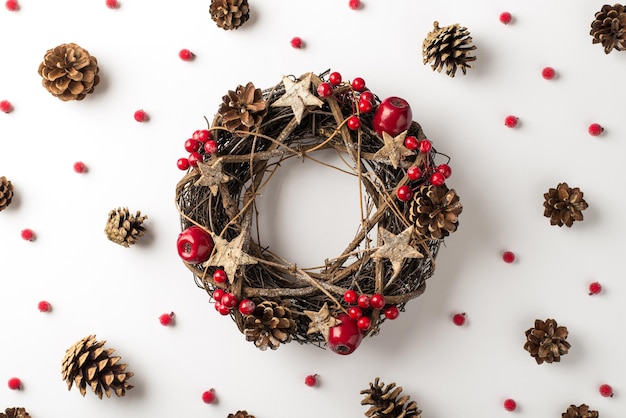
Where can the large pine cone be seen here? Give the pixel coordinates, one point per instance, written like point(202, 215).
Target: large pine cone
point(229, 14)
point(240, 414)
point(580, 411)
point(386, 402)
point(6, 193)
point(14, 413)
point(269, 325)
point(69, 72)
point(243, 108)
point(88, 363)
point(609, 28)
point(123, 227)
point(449, 46)
point(435, 211)
point(564, 205)
point(546, 341)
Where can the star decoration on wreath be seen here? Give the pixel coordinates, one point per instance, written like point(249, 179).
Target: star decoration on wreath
point(298, 96)
point(394, 149)
point(321, 321)
point(211, 175)
point(229, 255)
point(396, 248)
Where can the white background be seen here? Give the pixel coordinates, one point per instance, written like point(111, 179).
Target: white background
point(98, 287)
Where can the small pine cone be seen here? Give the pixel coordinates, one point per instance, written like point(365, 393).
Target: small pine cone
point(580, 411)
point(449, 46)
point(229, 14)
point(609, 28)
point(564, 205)
point(386, 402)
point(6, 193)
point(88, 363)
point(240, 414)
point(69, 72)
point(546, 341)
point(14, 413)
point(269, 325)
point(243, 108)
point(435, 211)
point(123, 227)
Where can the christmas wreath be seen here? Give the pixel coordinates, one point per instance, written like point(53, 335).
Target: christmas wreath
point(406, 212)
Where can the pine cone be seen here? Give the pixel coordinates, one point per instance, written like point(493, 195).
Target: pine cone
point(6, 193)
point(243, 108)
point(123, 227)
point(88, 363)
point(14, 413)
point(546, 341)
point(580, 411)
point(564, 205)
point(69, 72)
point(240, 414)
point(609, 28)
point(449, 46)
point(229, 14)
point(435, 211)
point(269, 325)
point(386, 402)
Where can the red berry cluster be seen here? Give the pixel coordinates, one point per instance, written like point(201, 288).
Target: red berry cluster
point(199, 146)
point(361, 306)
point(226, 301)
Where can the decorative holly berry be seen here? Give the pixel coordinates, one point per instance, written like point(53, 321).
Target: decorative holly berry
point(346, 337)
point(202, 135)
point(510, 405)
point(223, 310)
point(166, 319)
point(229, 300)
point(364, 323)
point(358, 84)
point(505, 17)
point(15, 383)
point(548, 73)
point(459, 319)
point(437, 179)
point(508, 257)
point(334, 78)
point(404, 193)
point(210, 146)
point(392, 312)
point(182, 163)
point(365, 106)
point(595, 129)
point(246, 307)
point(193, 159)
point(12, 5)
point(367, 95)
point(218, 294)
point(350, 296)
point(208, 396)
point(324, 89)
point(186, 55)
point(44, 306)
point(355, 312)
point(112, 4)
point(192, 145)
point(411, 142)
point(140, 115)
point(595, 288)
point(311, 380)
point(425, 146)
point(510, 121)
point(194, 245)
point(414, 173)
point(354, 123)
point(377, 301)
point(28, 234)
point(80, 167)
point(6, 106)
point(606, 390)
point(393, 116)
point(444, 169)
point(296, 42)
point(220, 276)
point(363, 301)
point(354, 4)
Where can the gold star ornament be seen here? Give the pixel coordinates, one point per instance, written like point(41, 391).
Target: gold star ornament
point(396, 248)
point(211, 175)
point(394, 149)
point(229, 255)
point(321, 321)
point(298, 95)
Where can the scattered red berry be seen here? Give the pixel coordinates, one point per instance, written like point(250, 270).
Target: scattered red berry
point(548, 73)
point(80, 167)
point(210, 146)
point(246, 307)
point(15, 383)
point(367, 95)
point(355, 312)
point(218, 294)
point(358, 84)
point(510, 121)
point(425, 146)
point(411, 142)
point(112, 4)
point(192, 145)
point(12, 5)
point(182, 163)
point(606, 390)
point(595, 288)
point(44, 306)
point(186, 55)
point(510, 405)
point(459, 319)
point(364, 323)
point(324, 90)
point(296, 42)
point(311, 380)
point(505, 17)
point(354, 4)
point(508, 257)
point(404, 193)
point(220, 276)
point(363, 301)
point(141, 115)
point(166, 319)
point(350, 297)
point(445, 170)
point(28, 234)
point(208, 396)
point(414, 172)
point(437, 179)
point(595, 129)
point(392, 312)
point(354, 123)
point(377, 301)
point(193, 159)
point(365, 106)
point(202, 135)
point(5, 106)
point(229, 300)
point(334, 78)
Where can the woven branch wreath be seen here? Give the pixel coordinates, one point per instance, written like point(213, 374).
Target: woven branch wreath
point(406, 212)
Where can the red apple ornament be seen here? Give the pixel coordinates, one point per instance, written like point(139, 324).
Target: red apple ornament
point(194, 245)
point(393, 116)
point(344, 338)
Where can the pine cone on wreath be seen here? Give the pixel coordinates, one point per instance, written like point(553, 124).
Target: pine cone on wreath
point(88, 363)
point(229, 14)
point(449, 46)
point(435, 211)
point(609, 28)
point(269, 325)
point(240, 414)
point(6, 193)
point(123, 227)
point(69, 72)
point(564, 205)
point(580, 411)
point(243, 108)
point(14, 413)
point(386, 402)
point(546, 341)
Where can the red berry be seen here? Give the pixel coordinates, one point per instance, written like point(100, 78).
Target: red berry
point(182, 163)
point(595, 129)
point(404, 193)
point(411, 142)
point(354, 123)
point(112, 4)
point(346, 337)
point(510, 405)
point(354, 4)
point(223, 310)
point(414, 172)
point(210, 146)
point(334, 78)
point(192, 145)
point(5, 106)
point(80, 167)
point(350, 297)
point(510, 121)
point(193, 159)
point(437, 179)
point(445, 170)
point(358, 84)
point(296, 42)
point(220, 276)
point(208, 396)
point(505, 17)
point(229, 300)
point(202, 135)
point(606, 390)
point(595, 288)
point(392, 312)
point(425, 146)
point(367, 95)
point(377, 301)
point(12, 5)
point(393, 116)
point(217, 294)
point(194, 245)
point(548, 73)
point(363, 301)
point(459, 319)
point(365, 106)
point(15, 383)
point(28, 234)
point(324, 90)
point(166, 319)
point(508, 257)
point(310, 380)
point(186, 55)
point(355, 312)
point(246, 307)
point(141, 115)
point(44, 306)
point(364, 323)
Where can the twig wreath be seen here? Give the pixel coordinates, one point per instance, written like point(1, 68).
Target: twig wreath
point(406, 210)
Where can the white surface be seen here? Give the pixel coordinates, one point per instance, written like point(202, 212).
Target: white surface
point(501, 174)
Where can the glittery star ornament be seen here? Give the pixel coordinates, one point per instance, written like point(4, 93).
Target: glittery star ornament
point(298, 95)
point(321, 321)
point(396, 248)
point(229, 255)
point(211, 175)
point(393, 149)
